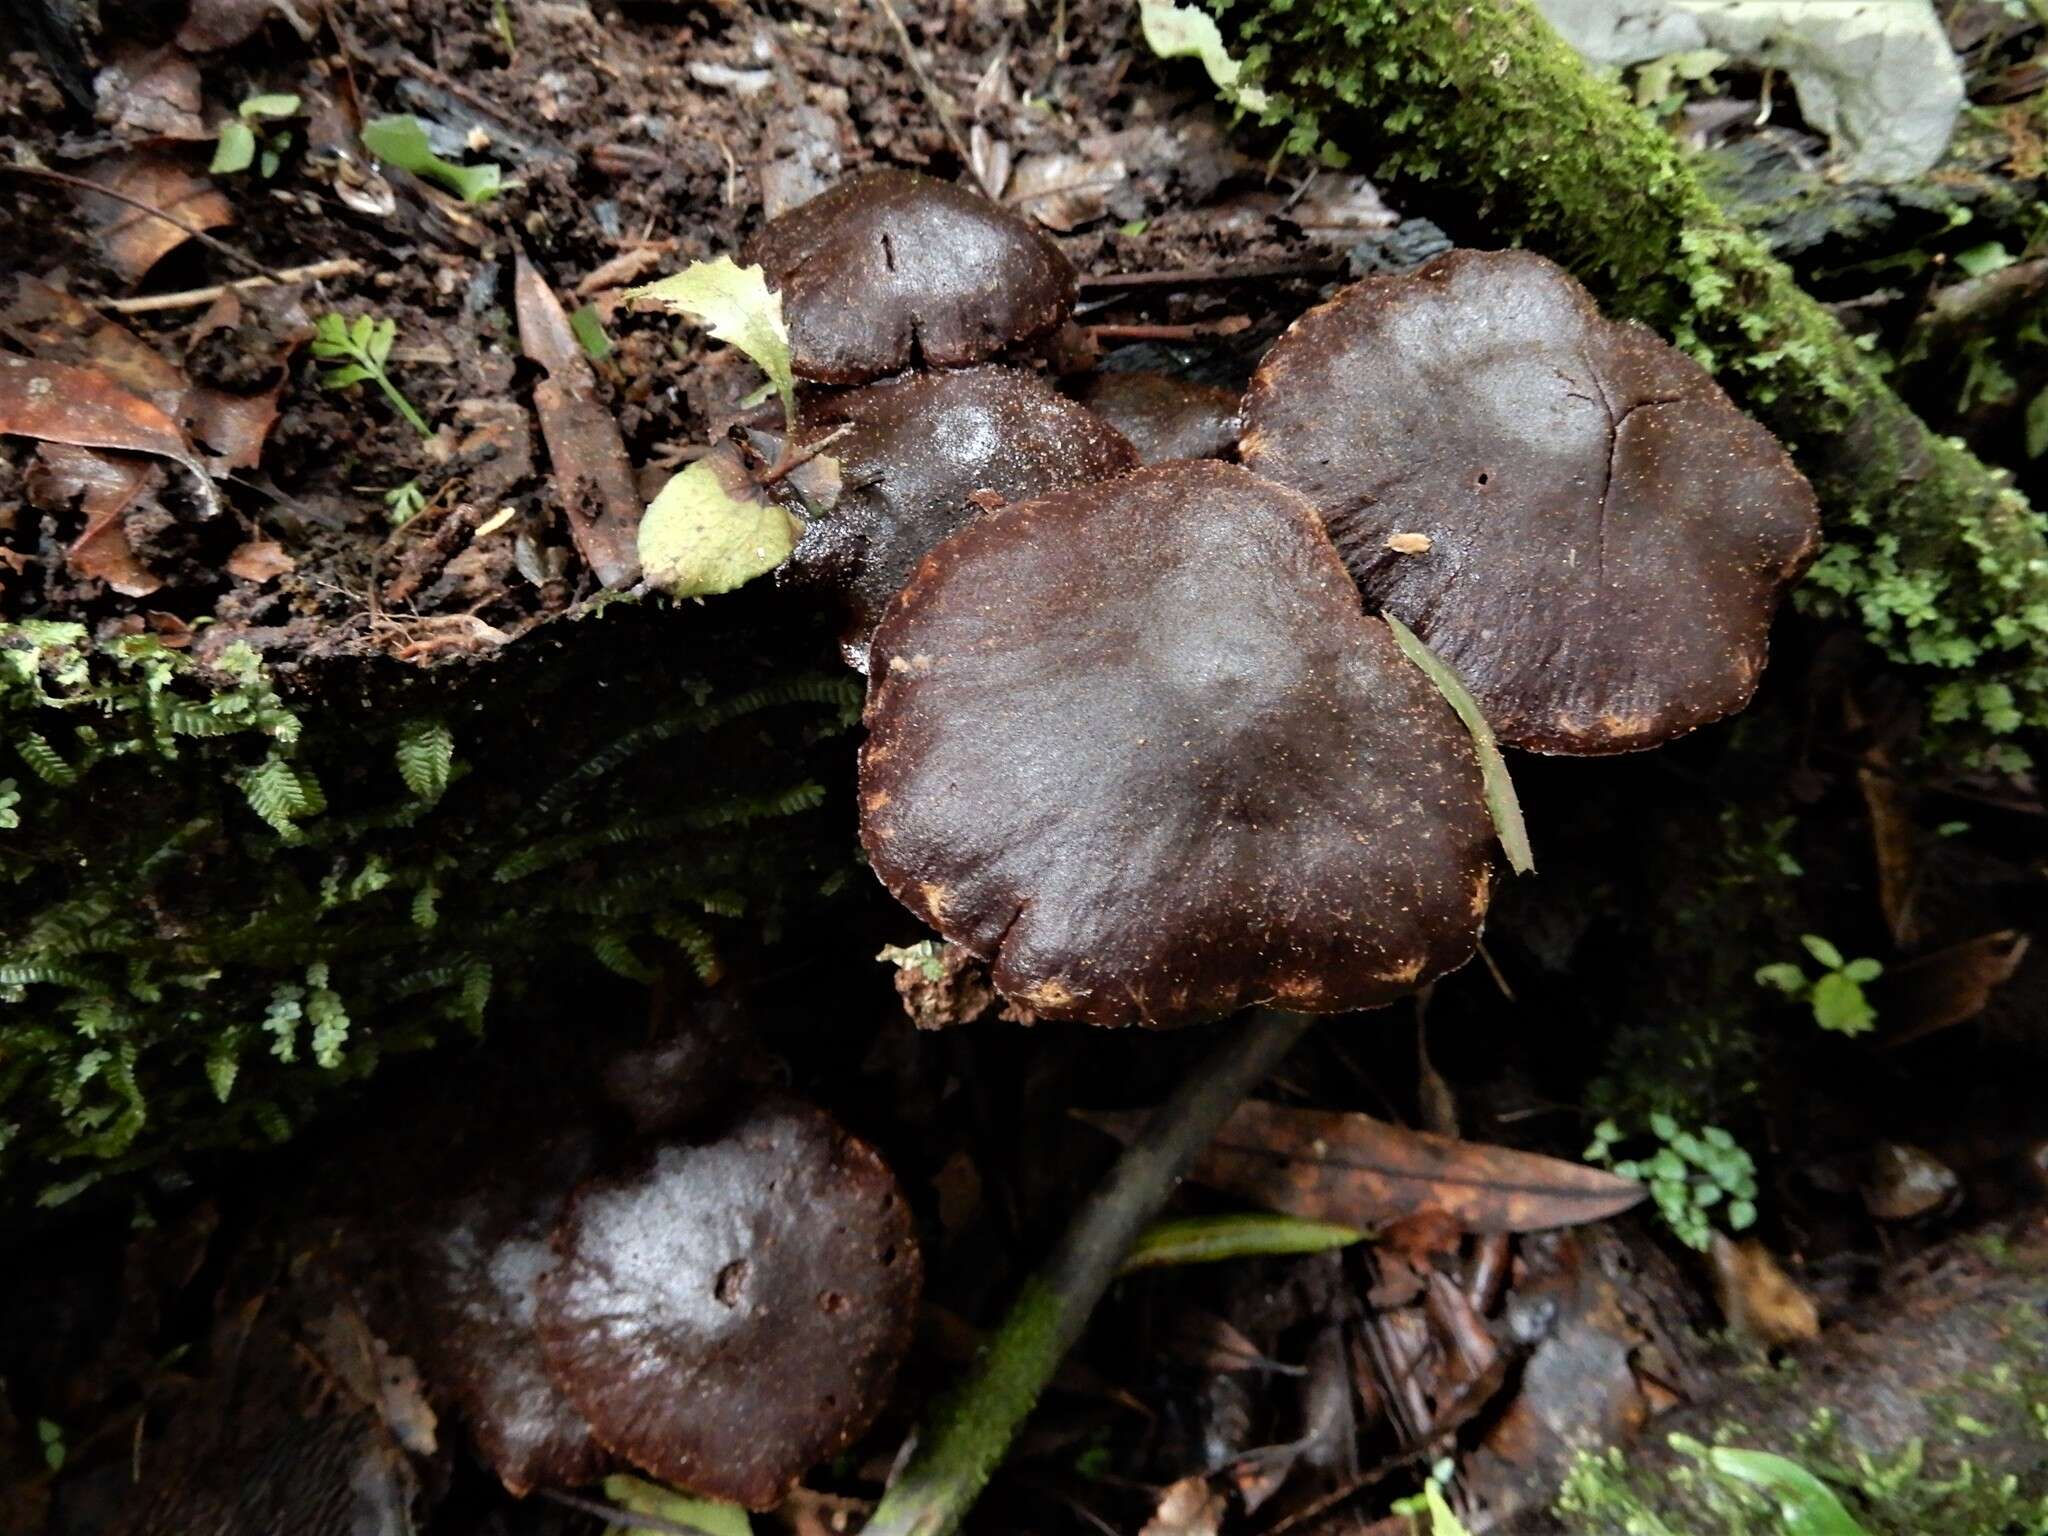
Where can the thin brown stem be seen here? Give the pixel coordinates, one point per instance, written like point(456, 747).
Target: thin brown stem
point(194, 298)
point(1228, 272)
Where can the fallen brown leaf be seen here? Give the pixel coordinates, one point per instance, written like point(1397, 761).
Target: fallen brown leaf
point(59, 328)
point(134, 240)
point(1891, 840)
point(594, 475)
point(1948, 987)
point(260, 560)
point(1362, 1172)
point(1760, 1301)
point(59, 403)
point(1327, 1165)
point(103, 486)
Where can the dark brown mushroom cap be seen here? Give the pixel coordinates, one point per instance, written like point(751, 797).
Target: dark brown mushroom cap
point(891, 270)
point(1164, 417)
point(734, 1312)
point(918, 448)
point(1139, 744)
point(1569, 511)
point(472, 1264)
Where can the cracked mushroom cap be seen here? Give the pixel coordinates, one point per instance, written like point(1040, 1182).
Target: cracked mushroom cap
point(1138, 744)
point(891, 270)
point(1166, 417)
point(1566, 509)
point(918, 448)
point(734, 1312)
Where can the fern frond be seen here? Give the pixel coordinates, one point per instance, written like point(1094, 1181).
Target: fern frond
point(426, 753)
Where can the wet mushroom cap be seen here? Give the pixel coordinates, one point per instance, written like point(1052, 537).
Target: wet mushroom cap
point(1164, 417)
point(919, 447)
point(890, 270)
point(1138, 744)
point(734, 1312)
point(1566, 509)
point(472, 1263)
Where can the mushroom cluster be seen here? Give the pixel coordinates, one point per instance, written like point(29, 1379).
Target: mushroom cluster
point(1151, 740)
point(722, 1311)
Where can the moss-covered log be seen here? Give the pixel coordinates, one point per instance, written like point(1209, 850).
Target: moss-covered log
point(228, 890)
point(1495, 127)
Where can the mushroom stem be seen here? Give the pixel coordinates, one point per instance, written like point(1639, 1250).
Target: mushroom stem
point(965, 1434)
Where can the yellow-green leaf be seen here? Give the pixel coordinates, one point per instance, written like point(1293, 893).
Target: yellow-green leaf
point(738, 307)
point(1246, 1234)
point(673, 1509)
point(1175, 31)
point(710, 530)
point(1493, 769)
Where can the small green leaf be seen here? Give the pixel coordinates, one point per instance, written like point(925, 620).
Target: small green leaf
point(1741, 1215)
point(382, 334)
point(1863, 970)
point(1784, 975)
point(1822, 950)
point(645, 1498)
point(274, 104)
point(1839, 1005)
point(737, 306)
point(1980, 260)
point(1175, 31)
point(236, 150)
point(710, 531)
point(342, 377)
point(1807, 1505)
point(359, 330)
point(1211, 1239)
point(2037, 425)
point(1493, 769)
point(402, 141)
point(589, 332)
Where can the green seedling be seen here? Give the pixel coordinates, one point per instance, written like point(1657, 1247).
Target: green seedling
point(240, 143)
point(1688, 1175)
point(1836, 996)
point(403, 503)
point(402, 141)
point(359, 349)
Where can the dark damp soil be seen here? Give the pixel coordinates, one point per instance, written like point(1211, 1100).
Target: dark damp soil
point(633, 141)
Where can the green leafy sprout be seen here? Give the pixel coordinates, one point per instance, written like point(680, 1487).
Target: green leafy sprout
point(402, 141)
point(1690, 1173)
point(1836, 995)
point(359, 348)
point(403, 503)
point(240, 145)
point(1176, 31)
point(706, 532)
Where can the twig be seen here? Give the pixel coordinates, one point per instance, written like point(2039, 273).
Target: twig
point(1228, 272)
point(64, 178)
point(966, 1433)
point(1229, 325)
point(193, 298)
point(940, 109)
point(789, 459)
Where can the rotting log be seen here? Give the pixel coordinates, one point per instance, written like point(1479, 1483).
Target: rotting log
point(1490, 124)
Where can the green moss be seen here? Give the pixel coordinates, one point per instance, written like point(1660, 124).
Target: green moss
point(221, 903)
point(1497, 129)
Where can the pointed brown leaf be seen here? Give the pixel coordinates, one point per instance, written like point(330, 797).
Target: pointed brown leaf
point(596, 478)
point(80, 406)
point(103, 486)
point(1328, 1165)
